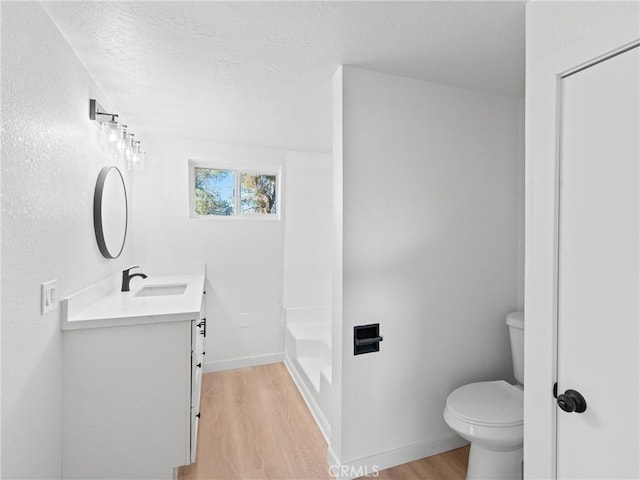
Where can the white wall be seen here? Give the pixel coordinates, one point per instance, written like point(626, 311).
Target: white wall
point(334, 413)
point(307, 240)
point(560, 36)
point(430, 230)
point(244, 258)
point(50, 163)
point(521, 201)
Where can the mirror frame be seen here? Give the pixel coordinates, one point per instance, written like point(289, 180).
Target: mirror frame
point(97, 212)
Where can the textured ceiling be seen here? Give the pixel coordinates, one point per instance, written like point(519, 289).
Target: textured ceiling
point(259, 73)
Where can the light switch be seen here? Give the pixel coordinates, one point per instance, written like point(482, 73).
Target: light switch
point(49, 296)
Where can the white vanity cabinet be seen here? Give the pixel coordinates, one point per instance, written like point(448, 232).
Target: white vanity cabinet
point(132, 395)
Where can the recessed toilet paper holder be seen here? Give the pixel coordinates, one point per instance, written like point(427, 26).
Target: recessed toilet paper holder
point(366, 338)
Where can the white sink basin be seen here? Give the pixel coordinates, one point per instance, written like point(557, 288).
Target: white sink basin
point(161, 290)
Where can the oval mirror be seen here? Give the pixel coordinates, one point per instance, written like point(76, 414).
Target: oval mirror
point(110, 212)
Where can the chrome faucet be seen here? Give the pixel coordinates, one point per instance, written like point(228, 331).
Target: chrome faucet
point(126, 278)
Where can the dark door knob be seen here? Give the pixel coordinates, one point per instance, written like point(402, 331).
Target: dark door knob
point(572, 401)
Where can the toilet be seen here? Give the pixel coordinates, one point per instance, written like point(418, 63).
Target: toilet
point(490, 416)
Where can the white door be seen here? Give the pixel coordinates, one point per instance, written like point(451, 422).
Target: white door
point(598, 274)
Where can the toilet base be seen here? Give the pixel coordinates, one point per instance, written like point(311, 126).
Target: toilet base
point(493, 464)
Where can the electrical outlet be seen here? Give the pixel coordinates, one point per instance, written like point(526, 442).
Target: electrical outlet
point(244, 320)
point(49, 295)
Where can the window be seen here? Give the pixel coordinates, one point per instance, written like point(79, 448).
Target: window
point(258, 193)
point(214, 191)
point(233, 193)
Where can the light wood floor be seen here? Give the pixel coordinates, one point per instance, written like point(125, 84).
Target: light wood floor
point(255, 425)
point(446, 466)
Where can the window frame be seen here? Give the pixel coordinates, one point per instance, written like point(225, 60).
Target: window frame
point(238, 168)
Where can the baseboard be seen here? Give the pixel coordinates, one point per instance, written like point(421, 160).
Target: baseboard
point(372, 464)
point(333, 461)
point(252, 361)
point(307, 396)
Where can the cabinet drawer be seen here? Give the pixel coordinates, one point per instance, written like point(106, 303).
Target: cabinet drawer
point(198, 333)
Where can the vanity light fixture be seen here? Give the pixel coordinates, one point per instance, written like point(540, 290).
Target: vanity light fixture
point(115, 140)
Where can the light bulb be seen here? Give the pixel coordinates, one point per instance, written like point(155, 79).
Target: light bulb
point(121, 145)
point(128, 148)
point(133, 155)
point(140, 164)
point(110, 133)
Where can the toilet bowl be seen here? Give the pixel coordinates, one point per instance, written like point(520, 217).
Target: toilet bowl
point(490, 415)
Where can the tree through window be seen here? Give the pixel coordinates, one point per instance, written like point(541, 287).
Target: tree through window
point(257, 193)
point(214, 191)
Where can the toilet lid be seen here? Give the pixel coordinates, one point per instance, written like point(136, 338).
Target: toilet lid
point(488, 403)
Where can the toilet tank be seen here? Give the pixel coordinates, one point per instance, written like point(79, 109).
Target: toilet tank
point(515, 322)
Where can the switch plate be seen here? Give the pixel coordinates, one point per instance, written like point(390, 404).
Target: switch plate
point(244, 320)
point(49, 296)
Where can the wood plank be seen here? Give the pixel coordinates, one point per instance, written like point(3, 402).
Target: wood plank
point(450, 465)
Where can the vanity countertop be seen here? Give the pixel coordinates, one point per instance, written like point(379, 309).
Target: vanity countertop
point(173, 293)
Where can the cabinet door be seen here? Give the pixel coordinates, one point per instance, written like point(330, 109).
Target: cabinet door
point(197, 364)
point(195, 411)
point(197, 359)
point(195, 419)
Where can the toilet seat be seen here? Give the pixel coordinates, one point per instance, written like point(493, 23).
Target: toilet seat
point(489, 404)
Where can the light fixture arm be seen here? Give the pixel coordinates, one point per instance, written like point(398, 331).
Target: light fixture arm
point(95, 109)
